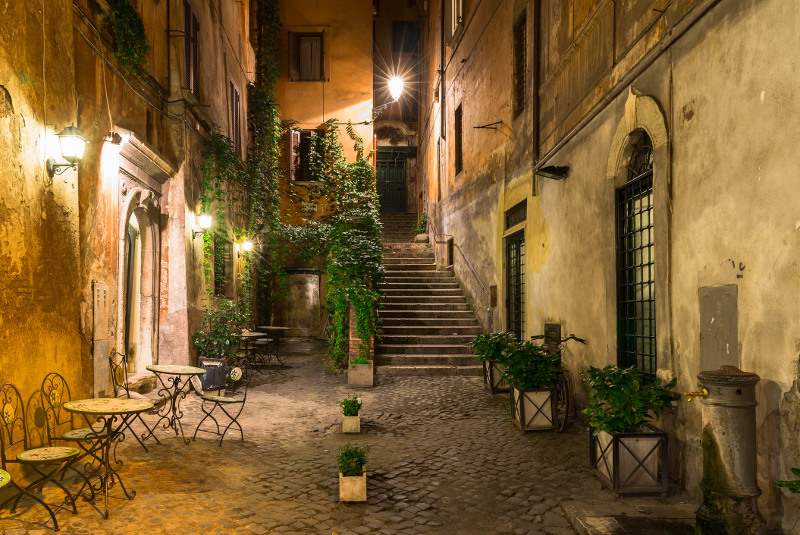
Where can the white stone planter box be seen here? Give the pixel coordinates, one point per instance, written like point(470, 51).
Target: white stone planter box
point(631, 463)
point(353, 488)
point(534, 409)
point(361, 374)
point(351, 424)
point(493, 378)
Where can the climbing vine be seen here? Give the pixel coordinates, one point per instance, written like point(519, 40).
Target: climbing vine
point(129, 34)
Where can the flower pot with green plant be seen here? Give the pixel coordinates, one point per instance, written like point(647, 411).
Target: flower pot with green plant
point(217, 340)
point(627, 452)
point(533, 373)
point(352, 461)
point(489, 349)
point(351, 419)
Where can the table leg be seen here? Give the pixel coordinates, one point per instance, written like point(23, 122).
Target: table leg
point(172, 391)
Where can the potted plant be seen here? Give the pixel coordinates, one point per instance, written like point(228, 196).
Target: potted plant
point(217, 340)
point(352, 473)
point(489, 349)
point(533, 373)
point(360, 372)
point(627, 452)
point(351, 420)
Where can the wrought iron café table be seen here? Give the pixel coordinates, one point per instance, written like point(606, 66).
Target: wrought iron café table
point(275, 333)
point(173, 390)
point(255, 355)
point(107, 411)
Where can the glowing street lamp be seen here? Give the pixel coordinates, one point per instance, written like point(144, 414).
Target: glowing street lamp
point(204, 221)
point(72, 146)
point(247, 246)
point(396, 85)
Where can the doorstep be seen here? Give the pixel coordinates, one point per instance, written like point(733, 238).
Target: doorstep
point(631, 516)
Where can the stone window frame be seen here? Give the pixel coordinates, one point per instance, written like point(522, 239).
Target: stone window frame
point(644, 113)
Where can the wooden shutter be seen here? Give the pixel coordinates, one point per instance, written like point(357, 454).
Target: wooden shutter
point(293, 151)
point(236, 135)
point(190, 31)
point(195, 55)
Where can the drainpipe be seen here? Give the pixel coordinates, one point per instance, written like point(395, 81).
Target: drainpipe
point(729, 486)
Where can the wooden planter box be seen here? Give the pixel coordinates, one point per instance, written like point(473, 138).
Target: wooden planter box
point(353, 488)
point(493, 378)
point(351, 424)
point(360, 374)
point(631, 463)
point(535, 409)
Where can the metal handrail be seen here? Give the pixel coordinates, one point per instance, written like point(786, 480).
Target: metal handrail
point(466, 258)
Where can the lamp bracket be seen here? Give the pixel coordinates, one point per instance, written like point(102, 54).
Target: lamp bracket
point(54, 168)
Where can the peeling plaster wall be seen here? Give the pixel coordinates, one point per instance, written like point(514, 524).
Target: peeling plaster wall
point(40, 328)
point(726, 208)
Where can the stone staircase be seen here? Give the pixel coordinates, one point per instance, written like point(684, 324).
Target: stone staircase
point(425, 322)
point(397, 227)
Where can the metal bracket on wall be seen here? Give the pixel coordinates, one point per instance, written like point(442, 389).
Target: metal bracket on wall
point(490, 126)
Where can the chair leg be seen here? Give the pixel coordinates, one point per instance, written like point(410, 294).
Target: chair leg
point(150, 431)
point(50, 478)
point(23, 492)
point(207, 415)
point(233, 420)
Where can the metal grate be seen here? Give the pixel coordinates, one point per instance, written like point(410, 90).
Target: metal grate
point(517, 214)
point(515, 277)
point(636, 315)
point(450, 252)
point(520, 63)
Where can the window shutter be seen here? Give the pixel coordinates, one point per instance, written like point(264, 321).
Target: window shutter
point(187, 44)
point(294, 154)
point(321, 58)
point(195, 54)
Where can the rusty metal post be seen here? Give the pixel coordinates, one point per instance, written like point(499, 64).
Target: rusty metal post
point(729, 485)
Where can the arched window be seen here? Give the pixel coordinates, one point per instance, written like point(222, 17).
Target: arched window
point(636, 310)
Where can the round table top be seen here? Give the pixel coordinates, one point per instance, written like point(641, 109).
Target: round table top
point(5, 478)
point(253, 334)
point(175, 369)
point(273, 328)
point(108, 405)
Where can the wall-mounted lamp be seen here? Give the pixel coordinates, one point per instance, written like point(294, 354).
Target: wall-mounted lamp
point(553, 172)
point(204, 221)
point(247, 246)
point(72, 146)
point(396, 85)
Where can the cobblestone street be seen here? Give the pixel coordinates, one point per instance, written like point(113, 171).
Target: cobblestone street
point(445, 458)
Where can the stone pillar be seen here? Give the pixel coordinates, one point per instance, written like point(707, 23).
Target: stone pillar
point(729, 486)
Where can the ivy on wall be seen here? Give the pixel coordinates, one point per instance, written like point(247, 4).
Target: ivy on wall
point(130, 37)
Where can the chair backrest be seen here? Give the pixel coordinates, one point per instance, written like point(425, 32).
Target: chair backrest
point(237, 380)
point(13, 432)
point(118, 364)
point(55, 392)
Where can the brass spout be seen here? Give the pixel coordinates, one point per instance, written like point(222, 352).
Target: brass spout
point(692, 395)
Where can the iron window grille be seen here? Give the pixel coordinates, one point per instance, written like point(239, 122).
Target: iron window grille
point(190, 48)
point(515, 278)
point(236, 133)
point(459, 161)
point(636, 316)
point(516, 214)
point(520, 63)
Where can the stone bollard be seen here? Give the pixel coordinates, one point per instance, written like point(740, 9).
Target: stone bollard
point(729, 485)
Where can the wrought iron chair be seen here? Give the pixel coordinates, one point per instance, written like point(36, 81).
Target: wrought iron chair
point(47, 461)
point(229, 400)
point(60, 423)
point(118, 363)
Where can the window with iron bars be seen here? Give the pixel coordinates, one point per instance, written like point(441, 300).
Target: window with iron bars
point(520, 63)
point(190, 48)
point(636, 314)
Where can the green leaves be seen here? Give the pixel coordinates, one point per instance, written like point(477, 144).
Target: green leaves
point(350, 406)
point(130, 36)
point(490, 346)
point(218, 335)
point(793, 486)
point(621, 399)
point(351, 459)
point(531, 366)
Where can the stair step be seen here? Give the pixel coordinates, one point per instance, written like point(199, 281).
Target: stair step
point(425, 315)
point(423, 292)
point(417, 360)
point(394, 260)
point(443, 285)
point(396, 300)
point(420, 276)
point(430, 330)
point(432, 339)
point(422, 349)
point(428, 322)
point(429, 370)
point(437, 306)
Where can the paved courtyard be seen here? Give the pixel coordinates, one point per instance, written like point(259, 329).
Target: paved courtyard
point(445, 458)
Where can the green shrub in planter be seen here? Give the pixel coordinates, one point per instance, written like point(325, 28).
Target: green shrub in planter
point(350, 406)
point(489, 349)
point(533, 372)
point(628, 453)
point(220, 331)
point(351, 460)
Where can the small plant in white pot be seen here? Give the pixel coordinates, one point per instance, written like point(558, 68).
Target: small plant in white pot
point(627, 452)
point(351, 419)
point(489, 348)
point(533, 372)
point(352, 473)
